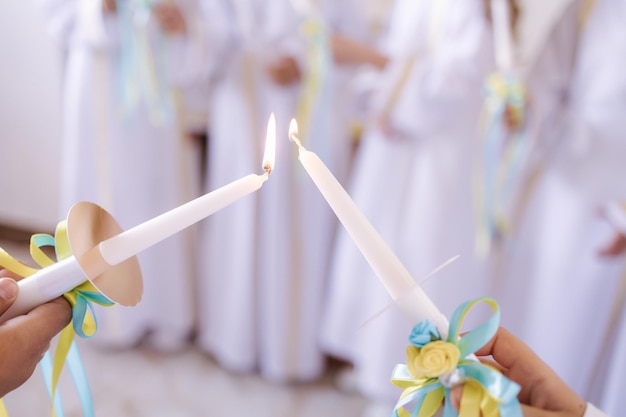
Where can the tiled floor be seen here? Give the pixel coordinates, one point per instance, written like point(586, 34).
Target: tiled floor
point(142, 383)
point(138, 383)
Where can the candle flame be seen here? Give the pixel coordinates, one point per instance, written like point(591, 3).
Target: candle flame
point(293, 132)
point(270, 145)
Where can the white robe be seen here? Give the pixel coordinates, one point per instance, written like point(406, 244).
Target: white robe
point(558, 293)
point(263, 259)
point(128, 164)
point(600, 79)
point(414, 188)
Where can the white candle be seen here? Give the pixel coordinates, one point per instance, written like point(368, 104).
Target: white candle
point(502, 34)
point(130, 242)
point(45, 285)
point(403, 289)
point(59, 278)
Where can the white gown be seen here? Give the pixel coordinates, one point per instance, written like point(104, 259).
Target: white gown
point(414, 188)
point(263, 259)
point(558, 293)
point(131, 163)
point(605, 104)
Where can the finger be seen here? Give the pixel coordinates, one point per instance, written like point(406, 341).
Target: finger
point(457, 392)
point(492, 363)
point(9, 274)
point(48, 319)
point(455, 396)
point(8, 293)
point(528, 411)
point(508, 350)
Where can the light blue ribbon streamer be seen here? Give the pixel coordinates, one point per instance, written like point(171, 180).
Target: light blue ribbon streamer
point(83, 303)
point(73, 359)
point(45, 364)
point(79, 377)
point(142, 77)
point(495, 137)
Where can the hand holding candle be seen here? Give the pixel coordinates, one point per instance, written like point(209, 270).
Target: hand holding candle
point(411, 299)
point(105, 255)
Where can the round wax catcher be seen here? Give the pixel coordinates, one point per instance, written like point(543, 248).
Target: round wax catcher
point(88, 224)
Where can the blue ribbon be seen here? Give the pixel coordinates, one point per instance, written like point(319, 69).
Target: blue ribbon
point(504, 151)
point(79, 377)
point(501, 392)
point(81, 299)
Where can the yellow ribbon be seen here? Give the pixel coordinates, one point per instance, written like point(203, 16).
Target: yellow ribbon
point(433, 368)
point(79, 296)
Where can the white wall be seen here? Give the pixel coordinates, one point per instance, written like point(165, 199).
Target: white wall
point(30, 130)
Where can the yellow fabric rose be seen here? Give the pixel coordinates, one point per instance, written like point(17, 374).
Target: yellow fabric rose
point(434, 359)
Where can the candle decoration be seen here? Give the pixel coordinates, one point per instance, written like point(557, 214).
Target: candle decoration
point(96, 261)
point(438, 357)
point(436, 364)
point(504, 146)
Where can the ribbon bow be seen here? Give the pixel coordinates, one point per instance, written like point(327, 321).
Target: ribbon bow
point(504, 150)
point(83, 321)
point(434, 366)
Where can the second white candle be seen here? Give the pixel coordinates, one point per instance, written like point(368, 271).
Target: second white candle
point(403, 289)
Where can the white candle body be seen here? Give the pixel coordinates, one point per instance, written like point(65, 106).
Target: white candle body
point(45, 285)
point(503, 36)
point(130, 242)
point(408, 295)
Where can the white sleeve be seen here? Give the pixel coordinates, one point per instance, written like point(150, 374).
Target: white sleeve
point(592, 411)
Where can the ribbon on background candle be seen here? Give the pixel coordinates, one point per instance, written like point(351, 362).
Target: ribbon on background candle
point(83, 321)
point(503, 151)
point(143, 70)
point(434, 366)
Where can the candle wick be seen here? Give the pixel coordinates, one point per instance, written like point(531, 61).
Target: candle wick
point(267, 168)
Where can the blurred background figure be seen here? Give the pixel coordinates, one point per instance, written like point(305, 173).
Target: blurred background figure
point(412, 179)
point(264, 261)
point(391, 95)
point(125, 146)
point(610, 366)
point(553, 283)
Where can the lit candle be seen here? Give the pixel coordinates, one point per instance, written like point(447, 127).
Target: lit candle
point(95, 261)
point(503, 37)
point(131, 242)
point(403, 289)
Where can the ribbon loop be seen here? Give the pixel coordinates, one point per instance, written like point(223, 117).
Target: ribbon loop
point(435, 366)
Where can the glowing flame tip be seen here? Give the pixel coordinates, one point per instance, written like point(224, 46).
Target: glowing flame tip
point(270, 145)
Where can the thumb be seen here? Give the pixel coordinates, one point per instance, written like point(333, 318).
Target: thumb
point(8, 293)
